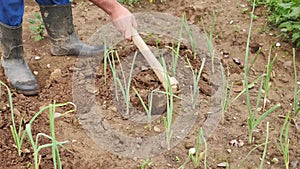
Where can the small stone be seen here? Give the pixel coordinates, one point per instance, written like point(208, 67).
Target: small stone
point(48, 65)
point(192, 150)
point(222, 164)
point(240, 143)
point(26, 151)
point(236, 61)
point(56, 115)
point(231, 22)
point(37, 58)
point(233, 142)
point(277, 44)
point(135, 159)
point(294, 164)
point(35, 72)
point(229, 150)
point(287, 64)
point(275, 160)
point(113, 108)
point(156, 129)
point(144, 68)
point(284, 79)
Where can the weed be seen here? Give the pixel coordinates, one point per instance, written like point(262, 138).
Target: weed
point(147, 163)
point(286, 16)
point(37, 26)
point(128, 2)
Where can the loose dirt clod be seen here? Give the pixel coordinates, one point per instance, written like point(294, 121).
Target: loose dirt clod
point(56, 75)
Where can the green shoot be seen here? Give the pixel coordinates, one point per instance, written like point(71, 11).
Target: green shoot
point(252, 84)
point(17, 134)
point(149, 108)
point(285, 143)
point(126, 88)
point(105, 57)
point(168, 119)
point(227, 165)
point(37, 148)
point(196, 79)
point(249, 153)
point(296, 99)
point(267, 83)
point(210, 40)
point(150, 101)
point(113, 69)
point(197, 155)
point(253, 121)
point(175, 53)
point(265, 148)
point(226, 96)
point(189, 31)
point(54, 145)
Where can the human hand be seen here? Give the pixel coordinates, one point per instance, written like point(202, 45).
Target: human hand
point(124, 21)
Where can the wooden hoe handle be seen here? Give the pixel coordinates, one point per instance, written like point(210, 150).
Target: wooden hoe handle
point(153, 62)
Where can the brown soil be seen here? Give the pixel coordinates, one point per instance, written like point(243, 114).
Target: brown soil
point(230, 36)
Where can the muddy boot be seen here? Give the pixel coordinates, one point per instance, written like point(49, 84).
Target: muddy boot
point(64, 41)
point(15, 68)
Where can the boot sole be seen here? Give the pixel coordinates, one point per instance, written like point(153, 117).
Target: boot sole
point(29, 93)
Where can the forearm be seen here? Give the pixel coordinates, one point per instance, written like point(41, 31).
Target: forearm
point(109, 6)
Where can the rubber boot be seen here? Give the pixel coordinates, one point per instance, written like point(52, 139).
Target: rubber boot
point(64, 41)
point(16, 69)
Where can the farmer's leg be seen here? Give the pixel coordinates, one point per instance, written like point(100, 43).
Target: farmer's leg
point(57, 16)
point(15, 68)
point(11, 12)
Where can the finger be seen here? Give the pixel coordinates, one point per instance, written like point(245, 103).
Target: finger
point(128, 34)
